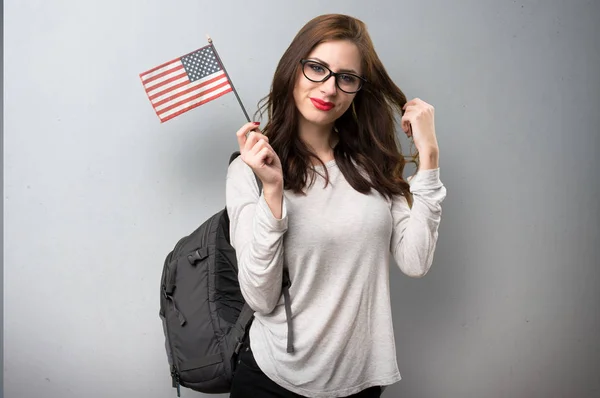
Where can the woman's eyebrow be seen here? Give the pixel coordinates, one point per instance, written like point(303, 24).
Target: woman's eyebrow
point(341, 70)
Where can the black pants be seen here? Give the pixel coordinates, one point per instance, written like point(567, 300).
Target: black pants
point(250, 382)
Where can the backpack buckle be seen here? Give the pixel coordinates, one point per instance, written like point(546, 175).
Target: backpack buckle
point(238, 346)
point(168, 290)
point(198, 255)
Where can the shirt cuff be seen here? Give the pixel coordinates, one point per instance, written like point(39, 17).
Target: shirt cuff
point(426, 180)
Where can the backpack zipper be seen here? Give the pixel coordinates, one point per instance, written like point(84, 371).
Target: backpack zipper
point(175, 377)
point(174, 373)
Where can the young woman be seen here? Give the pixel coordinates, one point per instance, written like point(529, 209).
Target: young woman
point(334, 205)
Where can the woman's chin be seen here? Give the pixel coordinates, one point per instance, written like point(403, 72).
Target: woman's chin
point(320, 119)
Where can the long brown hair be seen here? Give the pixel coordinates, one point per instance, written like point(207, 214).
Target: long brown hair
point(366, 131)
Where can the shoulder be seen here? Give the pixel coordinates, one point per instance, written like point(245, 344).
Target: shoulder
point(238, 169)
point(240, 179)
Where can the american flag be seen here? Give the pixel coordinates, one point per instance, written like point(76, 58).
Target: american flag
point(185, 83)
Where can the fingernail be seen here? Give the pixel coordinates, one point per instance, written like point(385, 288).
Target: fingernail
point(256, 123)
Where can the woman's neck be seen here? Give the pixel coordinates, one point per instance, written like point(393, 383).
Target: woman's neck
point(319, 138)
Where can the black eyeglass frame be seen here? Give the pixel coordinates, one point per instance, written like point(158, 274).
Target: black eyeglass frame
point(362, 80)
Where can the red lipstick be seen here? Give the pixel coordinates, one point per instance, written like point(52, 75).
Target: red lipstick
point(322, 105)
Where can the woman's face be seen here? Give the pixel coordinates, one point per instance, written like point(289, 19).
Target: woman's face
point(322, 103)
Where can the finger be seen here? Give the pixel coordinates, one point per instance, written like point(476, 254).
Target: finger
point(253, 137)
point(414, 102)
point(264, 144)
point(266, 156)
point(242, 133)
point(407, 127)
point(267, 145)
point(257, 146)
point(254, 128)
point(258, 152)
point(410, 108)
point(405, 123)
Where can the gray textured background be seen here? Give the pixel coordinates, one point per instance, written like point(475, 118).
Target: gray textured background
point(97, 191)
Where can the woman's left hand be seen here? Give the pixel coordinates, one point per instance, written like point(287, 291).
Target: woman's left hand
point(418, 122)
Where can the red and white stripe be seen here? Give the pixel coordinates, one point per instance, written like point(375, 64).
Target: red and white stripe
point(171, 93)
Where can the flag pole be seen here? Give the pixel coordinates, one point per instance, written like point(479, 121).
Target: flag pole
point(228, 78)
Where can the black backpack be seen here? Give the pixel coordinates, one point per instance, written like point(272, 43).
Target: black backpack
point(203, 312)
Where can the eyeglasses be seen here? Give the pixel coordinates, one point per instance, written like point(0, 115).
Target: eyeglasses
point(317, 72)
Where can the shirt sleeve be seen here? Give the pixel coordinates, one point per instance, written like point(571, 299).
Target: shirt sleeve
point(415, 230)
point(257, 237)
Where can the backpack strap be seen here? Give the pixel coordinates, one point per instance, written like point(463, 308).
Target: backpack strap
point(241, 327)
point(233, 156)
point(288, 310)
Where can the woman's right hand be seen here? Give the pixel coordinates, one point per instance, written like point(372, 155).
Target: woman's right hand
point(259, 155)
